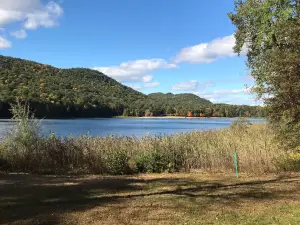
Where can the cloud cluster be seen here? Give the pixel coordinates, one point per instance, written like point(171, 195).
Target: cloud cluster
point(30, 14)
point(191, 85)
point(147, 78)
point(237, 96)
point(186, 86)
point(4, 43)
point(19, 34)
point(144, 86)
point(136, 70)
point(136, 87)
point(151, 85)
point(208, 52)
point(201, 53)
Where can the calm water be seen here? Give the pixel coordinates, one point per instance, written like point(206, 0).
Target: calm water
point(127, 127)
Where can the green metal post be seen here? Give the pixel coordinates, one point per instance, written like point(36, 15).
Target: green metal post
point(235, 158)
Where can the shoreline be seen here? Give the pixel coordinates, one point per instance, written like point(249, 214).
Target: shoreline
point(160, 117)
point(3, 120)
point(181, 117)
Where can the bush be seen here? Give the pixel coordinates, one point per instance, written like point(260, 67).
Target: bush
point(153, 162)
point(23, 139)
point(290, 162)
point(143, 162)
point(118, 163)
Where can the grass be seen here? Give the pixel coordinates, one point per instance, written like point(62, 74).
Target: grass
point(26, 150)
point(202, 150)
point(179, 198)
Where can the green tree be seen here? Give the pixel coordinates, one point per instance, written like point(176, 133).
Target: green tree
point(270, 29)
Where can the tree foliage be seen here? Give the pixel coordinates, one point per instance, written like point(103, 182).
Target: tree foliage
point(54, 92)
point(270, 29)
point(63, 93)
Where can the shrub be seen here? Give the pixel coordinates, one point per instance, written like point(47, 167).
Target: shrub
point(153, 162)
point(290, 162)
point(23, 138)
point(117, 163)
point(143, 162)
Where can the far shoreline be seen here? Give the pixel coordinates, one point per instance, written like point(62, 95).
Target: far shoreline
point(181, 117)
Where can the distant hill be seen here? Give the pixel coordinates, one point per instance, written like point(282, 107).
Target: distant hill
point(57, 92)
point(66, 93)
point(184, 100)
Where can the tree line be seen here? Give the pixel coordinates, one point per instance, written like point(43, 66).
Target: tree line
point(66, 93)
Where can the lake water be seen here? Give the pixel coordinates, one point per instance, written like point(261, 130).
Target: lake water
point(127, 126)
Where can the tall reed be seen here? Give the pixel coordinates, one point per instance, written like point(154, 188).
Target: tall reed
point(205, 150)
point(26, 150)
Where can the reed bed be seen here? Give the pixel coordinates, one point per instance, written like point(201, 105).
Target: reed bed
point(200, 150)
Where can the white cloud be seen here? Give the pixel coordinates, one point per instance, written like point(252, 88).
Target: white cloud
point(135, 70)
point(208, 52)
point(186, 86)
point(135, 87)
point(4, 43)
point(147, 78)
point(29, 14)
point(237, 91)
point(191, 85)
point(20, 34)
point(47, 16)
point(138, 87)
point(19, 5)
point(235, 96)
point(202, 53)
point(7, 16)
point(151, 85)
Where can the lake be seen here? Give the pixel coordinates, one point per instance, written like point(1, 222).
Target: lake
point(128, 126)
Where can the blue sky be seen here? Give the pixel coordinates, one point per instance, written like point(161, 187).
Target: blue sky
point(178, 46)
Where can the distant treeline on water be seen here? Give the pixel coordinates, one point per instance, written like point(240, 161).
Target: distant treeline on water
point(73, 93)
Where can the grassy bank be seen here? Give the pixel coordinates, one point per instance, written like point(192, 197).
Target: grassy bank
point(213, 195)
point(213, 150)
point(150, 199)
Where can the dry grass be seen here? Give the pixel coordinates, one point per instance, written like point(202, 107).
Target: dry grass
point(193, 198)
point(205, 151)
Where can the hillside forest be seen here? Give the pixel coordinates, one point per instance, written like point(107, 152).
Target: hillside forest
point(72, 93)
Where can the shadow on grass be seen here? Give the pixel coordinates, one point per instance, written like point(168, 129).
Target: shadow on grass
point(44, 199)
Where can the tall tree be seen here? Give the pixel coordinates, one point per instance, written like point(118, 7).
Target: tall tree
point(270, 30)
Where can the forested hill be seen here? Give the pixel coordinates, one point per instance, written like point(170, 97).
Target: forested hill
point(178, 103)
point(181, 99)
point(66, 93)
point(54, 92)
